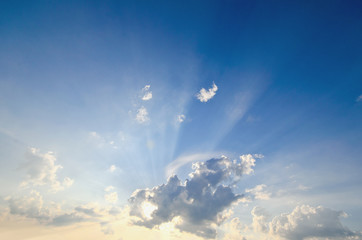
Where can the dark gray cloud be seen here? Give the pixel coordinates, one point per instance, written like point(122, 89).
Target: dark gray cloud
point(198, 203)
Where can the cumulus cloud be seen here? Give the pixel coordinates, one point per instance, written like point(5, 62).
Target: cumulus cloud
point(199, 204)
point(147, 94)
point(258, 192)
point(205, 95)
point(30, 206)
point(111, 197)
point(304, 222)
point(182, 160)
point(260, 219)
point(42, 170)
point(235, 230)
point(142, 115)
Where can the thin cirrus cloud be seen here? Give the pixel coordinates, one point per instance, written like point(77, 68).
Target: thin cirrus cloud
point(205, 95)
point(197, 205)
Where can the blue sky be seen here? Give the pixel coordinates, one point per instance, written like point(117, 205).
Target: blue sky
point(125, 94)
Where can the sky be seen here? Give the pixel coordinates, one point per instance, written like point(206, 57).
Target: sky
point(181, 120)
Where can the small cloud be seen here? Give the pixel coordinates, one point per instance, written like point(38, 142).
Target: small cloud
point(109, 188)
point(359, 99)
point(100, 141)
point(142, 115)
point(112, 168)
point(248, 162)
point(258, 155)
point(258, 192)
point(147, 94)
point(111, 197)
point(67, 182)
point(146, 88)
point(303, 188)
point(181, 118)
point(205, 95)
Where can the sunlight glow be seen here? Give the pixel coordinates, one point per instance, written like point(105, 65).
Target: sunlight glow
point(148, 208)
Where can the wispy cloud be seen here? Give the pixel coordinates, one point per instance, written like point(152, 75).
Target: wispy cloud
point(205, 95)
point(172, 167)
point(142, 115)
point(112, 168)
point(359, 98)
point(147, 94)
point(181, 118)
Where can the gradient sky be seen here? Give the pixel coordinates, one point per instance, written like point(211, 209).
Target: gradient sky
point(255, 106)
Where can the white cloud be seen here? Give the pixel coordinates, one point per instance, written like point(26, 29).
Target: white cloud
point(112, 168)
point(260, 219)
point(181, 118)
point(304, 222)
point(101, 141)
point(42, 170)
point(172, 167)
point(147, 94)
point(258, 192)
point(142, 115)
point(248, 162)
point(359, 99)
point(235, 230)
point(111, 197)
point(109, 188)
point(30, 206)
point(200, 203)
point(67, 182)
point(146, 88)
point(205, 95)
